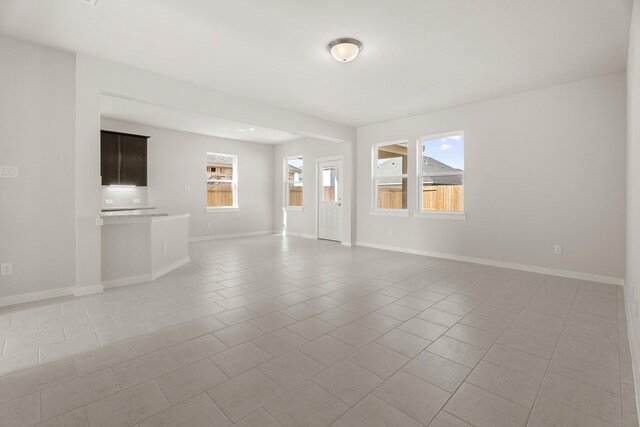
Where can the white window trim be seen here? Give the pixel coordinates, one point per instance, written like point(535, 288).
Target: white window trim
point(234, 186)
point(294, 208)
point(213, 209)
point(374, 191)
point(456, 216)
point(429, 214)
point(285, 187)
point(390, 212)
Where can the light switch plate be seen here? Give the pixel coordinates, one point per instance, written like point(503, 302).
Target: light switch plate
point(8, 171)
point(6, 269)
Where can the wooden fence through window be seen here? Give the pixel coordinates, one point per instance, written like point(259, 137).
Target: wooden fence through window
point(219, 195)
point(435, 197)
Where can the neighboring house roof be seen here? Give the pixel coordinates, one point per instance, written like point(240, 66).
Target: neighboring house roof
point(294, 169)
point(393, 166)
point(212, 158)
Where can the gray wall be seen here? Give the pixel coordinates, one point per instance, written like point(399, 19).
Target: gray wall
point(177, 159)
point(632, 281)
point(542, 167)
point(37, 210)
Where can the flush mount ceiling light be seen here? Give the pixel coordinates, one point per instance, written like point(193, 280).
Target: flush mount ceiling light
point(344, 49)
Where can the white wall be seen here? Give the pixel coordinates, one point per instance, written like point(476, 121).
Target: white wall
point(304, 222)
point(178, 159)
point(37, 210)
point(632, 280)
point(541, 167)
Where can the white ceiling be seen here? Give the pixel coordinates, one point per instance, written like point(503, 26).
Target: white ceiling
point(419, 55)
point(188, 121)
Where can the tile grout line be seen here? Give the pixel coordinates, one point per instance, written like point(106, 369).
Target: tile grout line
point(564, 322)
point(471, 370)
point(382, 333)
point(411, 359)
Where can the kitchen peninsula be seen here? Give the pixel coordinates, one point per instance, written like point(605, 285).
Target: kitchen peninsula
point(140, 247)
point(138, 244)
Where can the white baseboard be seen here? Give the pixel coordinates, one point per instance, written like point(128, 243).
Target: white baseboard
point(635, 357)
point(303, 235)
point(88, 290)
point(131, 280)
point(307, 236)
point(523, 267)
point(142, 278)
point(36, 296)
point(170, 267)
point(229, 236)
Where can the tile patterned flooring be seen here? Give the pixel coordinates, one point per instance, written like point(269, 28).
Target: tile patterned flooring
point(275, 331)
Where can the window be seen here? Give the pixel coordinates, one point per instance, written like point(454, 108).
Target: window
point(222, 181)
point(293, 182)
point(329, 184)
point(441, 173)
point(390, 176)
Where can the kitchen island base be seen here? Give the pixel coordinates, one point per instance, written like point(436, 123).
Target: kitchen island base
point(137, 249)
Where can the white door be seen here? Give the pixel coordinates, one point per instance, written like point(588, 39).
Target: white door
point(330, 200)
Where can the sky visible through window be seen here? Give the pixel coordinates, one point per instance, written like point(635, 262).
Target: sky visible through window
point(448, 150)
point(295, 162)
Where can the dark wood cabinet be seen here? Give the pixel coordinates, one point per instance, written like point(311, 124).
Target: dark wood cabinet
point(123, 158)
point(109, 158)
point(133, 152)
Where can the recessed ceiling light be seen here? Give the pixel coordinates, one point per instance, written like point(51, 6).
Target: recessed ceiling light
point(251, 129)
point(345, 49)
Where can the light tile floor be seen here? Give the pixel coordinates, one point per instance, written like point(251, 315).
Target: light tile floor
point(274, 331)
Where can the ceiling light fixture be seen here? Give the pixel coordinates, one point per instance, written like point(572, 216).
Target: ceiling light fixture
point(345, 49)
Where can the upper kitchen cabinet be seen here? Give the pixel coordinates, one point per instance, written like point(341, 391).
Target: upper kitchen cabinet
point(123, 158)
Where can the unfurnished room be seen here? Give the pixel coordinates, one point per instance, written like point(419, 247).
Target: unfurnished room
point(356, 213)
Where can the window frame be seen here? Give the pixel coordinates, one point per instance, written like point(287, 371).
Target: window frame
point(437, 214)
point(233, 181)
point(374, 178)
point(287, 181)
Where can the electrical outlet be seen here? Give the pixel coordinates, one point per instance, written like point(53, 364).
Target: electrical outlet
point(137, 201)
point(108, 201)
point(164, 248)
point(6, 269)
point(8, 171)
point(187, 188)
point(557, 249)
point(389, 232)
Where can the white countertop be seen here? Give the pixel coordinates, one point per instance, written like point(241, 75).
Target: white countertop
point(129, 218)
